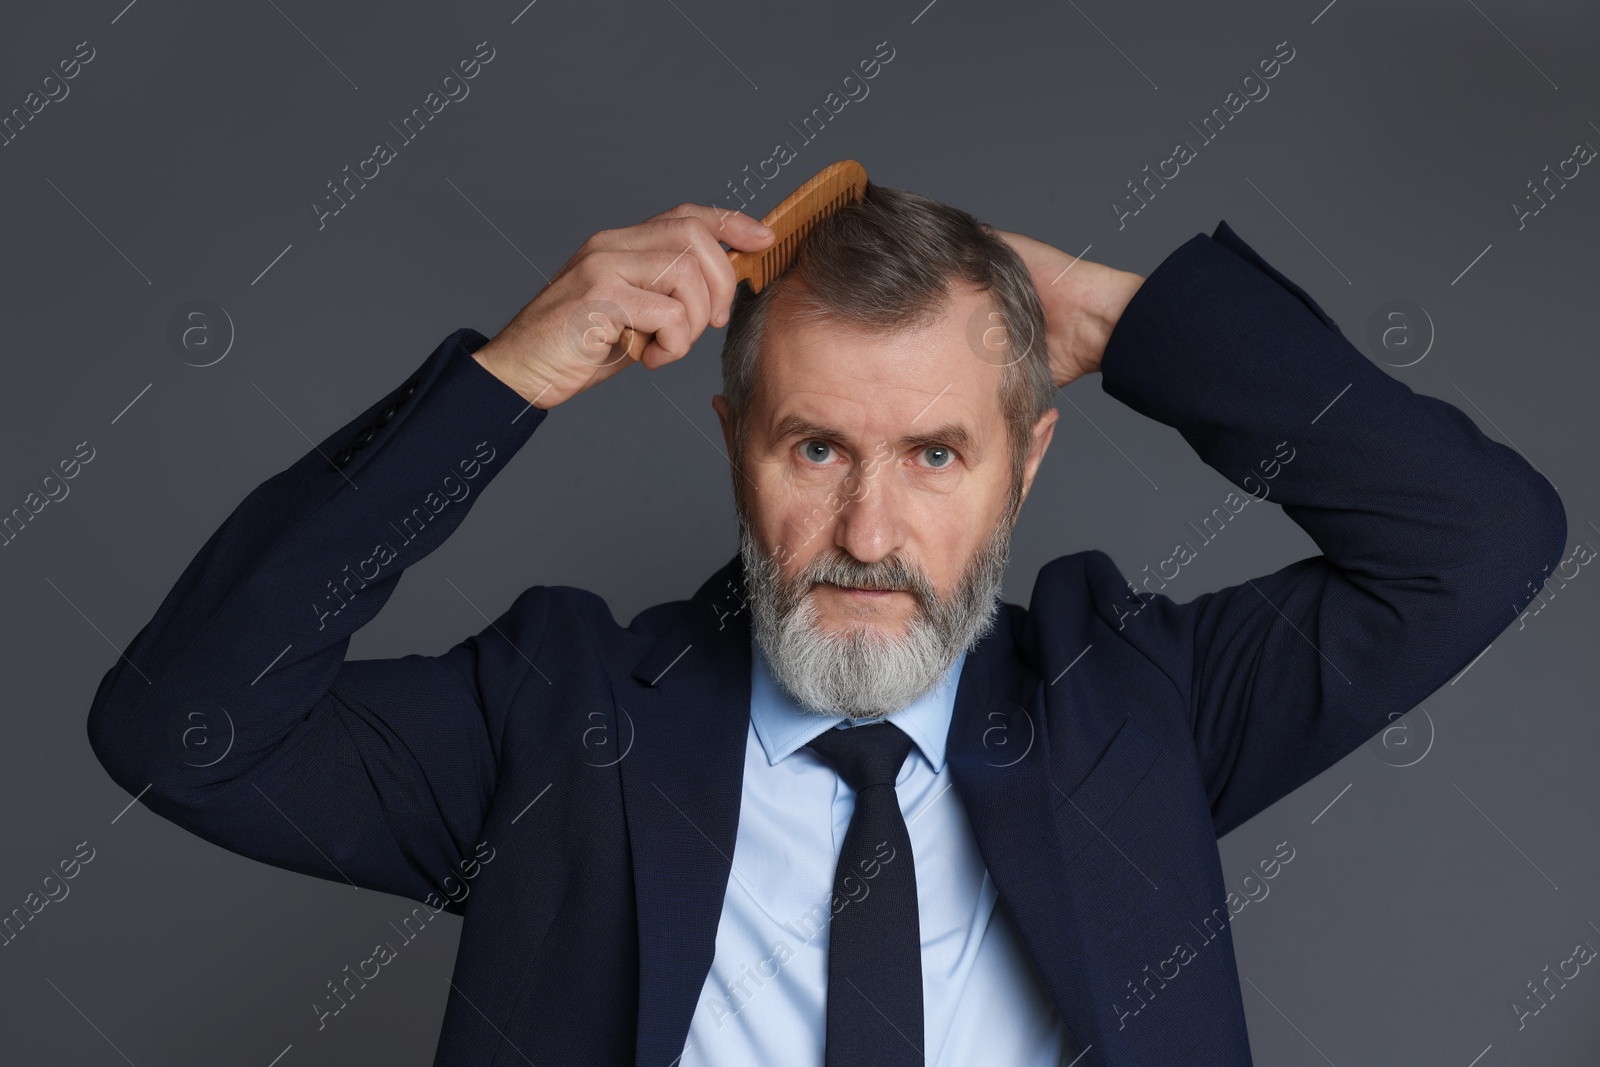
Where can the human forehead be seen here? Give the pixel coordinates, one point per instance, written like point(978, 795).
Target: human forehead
point(830, 374)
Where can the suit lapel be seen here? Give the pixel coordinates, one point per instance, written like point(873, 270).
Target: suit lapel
point(689, 705)
point(1000, 759)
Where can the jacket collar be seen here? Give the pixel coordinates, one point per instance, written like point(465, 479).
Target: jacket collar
point(1000, 759)
point(689, 705)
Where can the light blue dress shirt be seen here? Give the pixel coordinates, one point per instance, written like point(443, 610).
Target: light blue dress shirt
point(765, 998)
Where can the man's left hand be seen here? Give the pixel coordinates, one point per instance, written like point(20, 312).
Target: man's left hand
point(1082, 302)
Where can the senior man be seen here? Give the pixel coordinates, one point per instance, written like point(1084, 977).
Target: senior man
point(854, 809)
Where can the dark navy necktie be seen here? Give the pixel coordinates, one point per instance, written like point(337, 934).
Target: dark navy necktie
point(874, 940)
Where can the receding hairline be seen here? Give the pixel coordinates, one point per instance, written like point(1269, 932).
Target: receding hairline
point(792, 304)
point(789, 302)
point(791, 299)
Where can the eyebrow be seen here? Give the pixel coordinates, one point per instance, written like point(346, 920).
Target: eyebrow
point(953, 434)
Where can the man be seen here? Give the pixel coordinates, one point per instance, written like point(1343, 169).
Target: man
point(842, 805)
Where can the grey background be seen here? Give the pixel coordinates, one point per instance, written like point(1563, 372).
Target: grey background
point(183, 161)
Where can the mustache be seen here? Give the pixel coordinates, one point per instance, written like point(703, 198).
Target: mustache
point(894, 574)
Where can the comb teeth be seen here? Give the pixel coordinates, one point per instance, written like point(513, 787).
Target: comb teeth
point(780, 257)
point(792, 221)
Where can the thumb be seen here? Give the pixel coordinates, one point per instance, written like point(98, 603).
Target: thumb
point(740, 231)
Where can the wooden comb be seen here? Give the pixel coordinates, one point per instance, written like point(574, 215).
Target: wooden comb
point(826, 192)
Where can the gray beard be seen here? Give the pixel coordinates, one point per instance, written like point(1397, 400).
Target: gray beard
point(864, 673)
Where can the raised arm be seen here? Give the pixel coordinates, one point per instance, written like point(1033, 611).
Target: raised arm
point(234, 712)
point(234, 705)
point(1429, 531)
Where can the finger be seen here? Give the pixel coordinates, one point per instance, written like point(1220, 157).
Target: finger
point(699, 228)
point(654, 356)
point(596, 329)
point(733, 228)
point(678, 332)
point(691, 232)
point(685, 282)
point(665, 317)
point(677, 275)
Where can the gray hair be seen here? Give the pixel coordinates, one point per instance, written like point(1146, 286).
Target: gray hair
point(887, 262)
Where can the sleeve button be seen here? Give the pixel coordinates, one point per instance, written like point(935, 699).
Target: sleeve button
point(364, 438)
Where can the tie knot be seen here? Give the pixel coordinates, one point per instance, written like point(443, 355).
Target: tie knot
point(864, 755)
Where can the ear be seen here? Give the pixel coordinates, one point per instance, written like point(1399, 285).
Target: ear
point(720, 404)
point(1043, 431)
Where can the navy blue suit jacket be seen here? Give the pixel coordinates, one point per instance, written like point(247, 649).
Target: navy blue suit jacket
point(1096, 795)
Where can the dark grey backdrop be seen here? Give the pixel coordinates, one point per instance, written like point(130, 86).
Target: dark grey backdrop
point(1433, 875)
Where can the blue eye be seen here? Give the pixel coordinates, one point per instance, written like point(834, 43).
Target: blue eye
point(817, 451)
point(939, 456)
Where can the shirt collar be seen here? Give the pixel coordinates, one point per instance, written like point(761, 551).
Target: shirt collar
point(784, 726)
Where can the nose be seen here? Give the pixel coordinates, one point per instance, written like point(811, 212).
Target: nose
point(869, 526)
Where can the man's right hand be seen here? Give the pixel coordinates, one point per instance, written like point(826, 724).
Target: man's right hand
point(666, 276)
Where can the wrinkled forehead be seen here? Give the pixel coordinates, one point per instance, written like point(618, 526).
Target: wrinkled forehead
point(867, 384)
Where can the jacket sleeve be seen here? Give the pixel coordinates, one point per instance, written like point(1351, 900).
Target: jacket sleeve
point(233, 712)
point(1429, 531)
